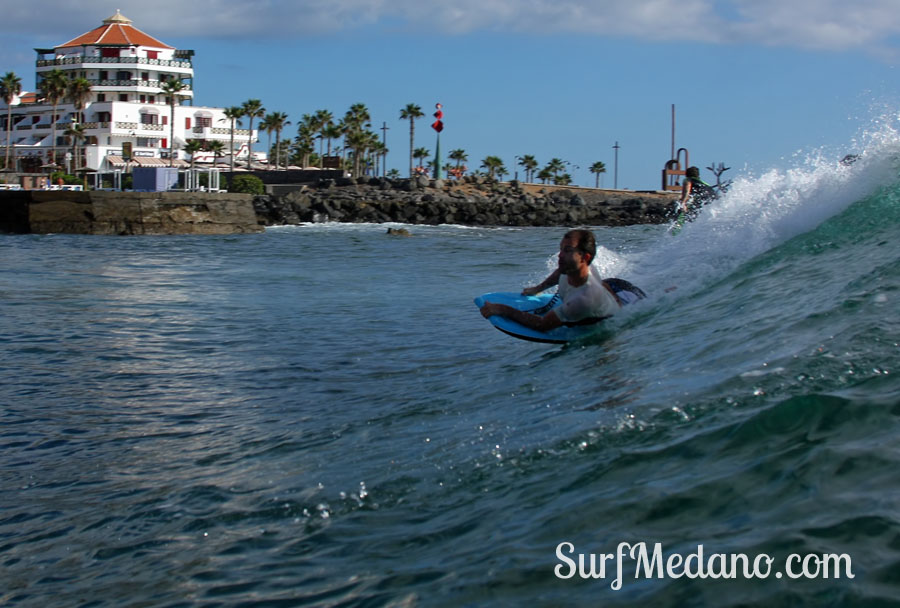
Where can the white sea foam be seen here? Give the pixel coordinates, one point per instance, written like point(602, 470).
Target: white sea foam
point(762, 211)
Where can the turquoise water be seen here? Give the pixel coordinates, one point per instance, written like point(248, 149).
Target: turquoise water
point(319, 416)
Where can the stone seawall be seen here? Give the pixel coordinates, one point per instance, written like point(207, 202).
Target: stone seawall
point(473, 202)
point(101, 212)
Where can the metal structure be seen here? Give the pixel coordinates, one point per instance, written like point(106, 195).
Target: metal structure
point(674, 170)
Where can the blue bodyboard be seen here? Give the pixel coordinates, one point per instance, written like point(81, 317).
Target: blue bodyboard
point(560, 335)
point(543, 303)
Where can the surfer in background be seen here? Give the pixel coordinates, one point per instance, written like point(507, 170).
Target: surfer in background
point(695, 193)
point(583, 296)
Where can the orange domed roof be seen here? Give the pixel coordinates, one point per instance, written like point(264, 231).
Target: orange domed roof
point(115, 31)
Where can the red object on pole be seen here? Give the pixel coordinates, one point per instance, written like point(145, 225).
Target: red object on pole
point(437, 125)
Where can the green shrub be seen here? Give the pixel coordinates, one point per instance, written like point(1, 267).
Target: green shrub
point(67, 178)
point(247, 184)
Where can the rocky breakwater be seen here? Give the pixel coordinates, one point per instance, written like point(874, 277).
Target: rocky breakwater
point(101, 212)
point(472, 202)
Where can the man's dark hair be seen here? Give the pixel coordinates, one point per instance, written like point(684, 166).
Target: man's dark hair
point(587, 243)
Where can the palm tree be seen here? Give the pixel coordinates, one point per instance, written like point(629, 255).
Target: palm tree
point(356, 137)
point(332, 131)
point(171, 89)
point(380, 151)
point(10, 87)
point(277, 122)
point(266, 125)
point(373, 145)
point(75, 133)
point(555, 166)
point(192, 147)
point(217, 148)
point(322, 119)
point(356, 118)
point(54, 87)
point(545, 174)
point(252, 108)
point(303, 148)
point(283, 152)
point(419, 154)
point(493, 164)
point(529, 163)
point(357, 141)
point(304, 143)
point(411, 112)
point(459, 155)
point(78, 93)
point(234, 114)
point(597, 168)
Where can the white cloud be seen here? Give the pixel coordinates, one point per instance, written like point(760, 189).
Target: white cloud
point(815, 24)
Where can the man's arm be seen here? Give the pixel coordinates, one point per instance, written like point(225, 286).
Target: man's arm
point(545, 323)
point(547, 283)
point(685, 193)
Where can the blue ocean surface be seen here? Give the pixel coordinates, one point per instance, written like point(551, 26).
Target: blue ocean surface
point(319, 416)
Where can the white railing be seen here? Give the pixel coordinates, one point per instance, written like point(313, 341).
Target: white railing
point(73, 60)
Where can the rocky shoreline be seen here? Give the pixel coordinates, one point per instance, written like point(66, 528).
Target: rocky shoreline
point(473, 201)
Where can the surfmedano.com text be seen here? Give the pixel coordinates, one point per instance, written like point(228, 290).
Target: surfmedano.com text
point(696, 564)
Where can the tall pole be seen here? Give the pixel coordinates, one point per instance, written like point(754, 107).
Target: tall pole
point(673, 131)
point(438, 125)
point(616, 171)
point(384, 130)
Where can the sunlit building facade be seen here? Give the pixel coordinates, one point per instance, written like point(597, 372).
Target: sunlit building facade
point(128, 119)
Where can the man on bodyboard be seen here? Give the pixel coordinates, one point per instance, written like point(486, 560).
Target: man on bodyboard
point(585, 298)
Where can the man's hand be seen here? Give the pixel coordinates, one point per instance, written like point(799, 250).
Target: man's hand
point(489, 310)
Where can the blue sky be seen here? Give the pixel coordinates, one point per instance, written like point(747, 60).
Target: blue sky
point(756, 83)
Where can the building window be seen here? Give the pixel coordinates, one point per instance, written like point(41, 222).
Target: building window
point(143, 99)
point(152, 54)
point(123, 96)
point(149, 119)
point(145, 76)
point(101, 96)
point(187, 122)
point(203, 121)
point(108, 52)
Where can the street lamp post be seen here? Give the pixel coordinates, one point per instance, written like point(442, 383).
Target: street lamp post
point(616, 168)
point(384, 130)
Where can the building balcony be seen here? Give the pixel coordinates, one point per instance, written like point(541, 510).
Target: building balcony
point(85, 59)
point(152, 85)
point(224, 131)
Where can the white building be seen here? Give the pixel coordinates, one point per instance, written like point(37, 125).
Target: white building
point(127, 70)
